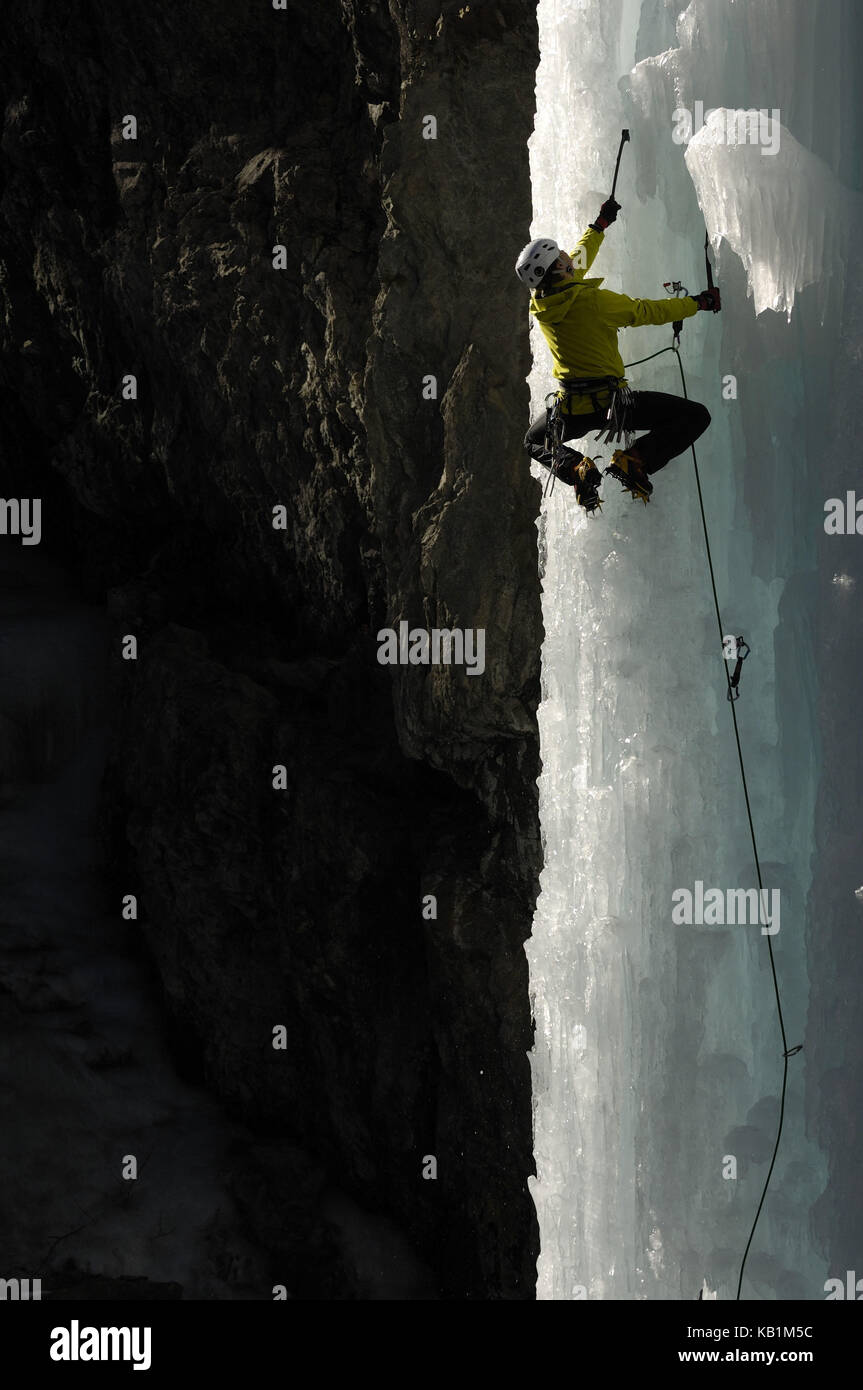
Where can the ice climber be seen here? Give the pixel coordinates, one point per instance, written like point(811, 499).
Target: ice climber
point(580, 323)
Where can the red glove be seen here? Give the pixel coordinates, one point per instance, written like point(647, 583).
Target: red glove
point(607, 214)
point(709, 299)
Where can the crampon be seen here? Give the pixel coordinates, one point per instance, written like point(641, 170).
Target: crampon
point(628, 469)
point(586, 480)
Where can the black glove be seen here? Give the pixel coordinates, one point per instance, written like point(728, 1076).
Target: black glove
point(709, 299)
point(607, 214)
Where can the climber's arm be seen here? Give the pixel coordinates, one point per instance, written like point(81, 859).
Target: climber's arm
point(584, 253)
point(619, 311)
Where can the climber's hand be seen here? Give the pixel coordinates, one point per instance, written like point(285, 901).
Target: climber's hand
point(607, 214)
point(709, 299)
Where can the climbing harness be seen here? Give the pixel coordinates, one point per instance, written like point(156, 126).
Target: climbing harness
point(621, 399)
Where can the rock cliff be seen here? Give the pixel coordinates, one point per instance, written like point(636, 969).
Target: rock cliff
point(301, 248)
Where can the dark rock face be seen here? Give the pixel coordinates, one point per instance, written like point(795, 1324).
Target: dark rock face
point(303, 388)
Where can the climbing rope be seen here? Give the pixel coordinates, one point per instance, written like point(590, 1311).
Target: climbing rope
point(732, 697)
point(732, 681)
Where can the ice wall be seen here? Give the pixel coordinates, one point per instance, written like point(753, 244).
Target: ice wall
point(658, 1052)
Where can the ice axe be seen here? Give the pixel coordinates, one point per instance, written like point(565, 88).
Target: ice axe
point(710, 284)
point(624, 136)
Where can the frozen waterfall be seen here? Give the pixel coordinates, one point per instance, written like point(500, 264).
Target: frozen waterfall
point(657, 1055)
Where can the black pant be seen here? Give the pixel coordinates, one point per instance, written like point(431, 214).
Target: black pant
point(673, 424)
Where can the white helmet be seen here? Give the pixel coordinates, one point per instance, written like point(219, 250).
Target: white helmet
point(535, 259)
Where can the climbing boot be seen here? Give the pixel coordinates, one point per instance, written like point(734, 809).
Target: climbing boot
point(586, 481)
point(626, 466)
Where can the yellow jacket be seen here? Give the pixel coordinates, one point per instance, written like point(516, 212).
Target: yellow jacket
point(580, 323)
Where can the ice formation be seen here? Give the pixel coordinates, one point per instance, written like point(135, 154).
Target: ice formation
point(657, 1053)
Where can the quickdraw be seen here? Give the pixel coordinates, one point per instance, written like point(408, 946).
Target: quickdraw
point(678, 290)
point(585, 475)
point(741, 653)
point(553, 440)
